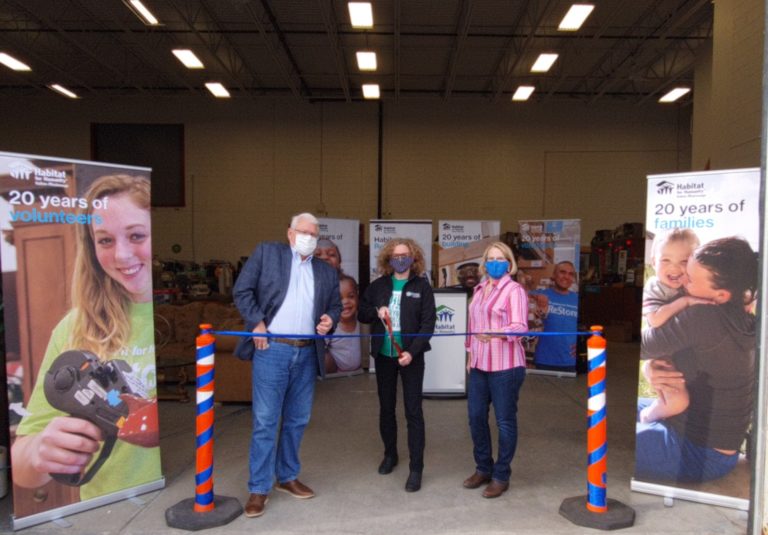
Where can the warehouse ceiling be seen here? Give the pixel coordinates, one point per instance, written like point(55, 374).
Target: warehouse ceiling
point(631, 50)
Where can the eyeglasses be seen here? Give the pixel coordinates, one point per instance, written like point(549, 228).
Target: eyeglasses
point(306, 233)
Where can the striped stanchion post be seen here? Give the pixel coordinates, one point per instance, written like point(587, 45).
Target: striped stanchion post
point(597, 441)
point(596, 510)
point(205, 510)
point(204, 360)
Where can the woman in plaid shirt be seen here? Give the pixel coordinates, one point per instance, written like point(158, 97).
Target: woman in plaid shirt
point(496, 367)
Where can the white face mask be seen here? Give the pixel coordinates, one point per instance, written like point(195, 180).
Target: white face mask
point(305, 244)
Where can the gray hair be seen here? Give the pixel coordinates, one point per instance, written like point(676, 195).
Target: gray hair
point(306, 216)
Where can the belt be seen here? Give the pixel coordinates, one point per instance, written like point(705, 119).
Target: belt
point(295, 342)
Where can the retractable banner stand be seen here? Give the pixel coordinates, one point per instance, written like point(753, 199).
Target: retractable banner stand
point(462, 244)
point(548, 267)
point(339, 245)
point(79, 333)
point(699, 325)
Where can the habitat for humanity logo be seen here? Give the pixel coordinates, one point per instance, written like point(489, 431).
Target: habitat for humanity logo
point(445, 323)
point(43, 176)
point(681, 189)
point(386, 229)
point(665, 187)
point(21, 170)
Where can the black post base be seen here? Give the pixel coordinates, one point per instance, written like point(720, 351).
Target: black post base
point(183, 515)
point(617, 516)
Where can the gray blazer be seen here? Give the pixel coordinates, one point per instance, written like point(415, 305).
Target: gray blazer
point(262, 286)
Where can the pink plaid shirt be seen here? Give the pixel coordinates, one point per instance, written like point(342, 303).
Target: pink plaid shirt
point(504, 309)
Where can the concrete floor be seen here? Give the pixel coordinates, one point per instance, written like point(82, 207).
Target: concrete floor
point(342, 449)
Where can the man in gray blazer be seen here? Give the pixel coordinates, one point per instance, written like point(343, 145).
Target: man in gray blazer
point(286, 296)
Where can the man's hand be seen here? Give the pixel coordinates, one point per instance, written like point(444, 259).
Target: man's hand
point(325, 324)
point(260, 342)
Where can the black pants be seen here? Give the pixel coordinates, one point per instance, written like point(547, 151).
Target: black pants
point(387, 370)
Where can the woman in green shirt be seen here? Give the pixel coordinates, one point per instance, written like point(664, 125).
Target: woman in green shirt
point(111, 318)
point(401, 299)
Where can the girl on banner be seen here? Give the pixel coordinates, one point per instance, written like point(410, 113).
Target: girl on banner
point(496, 367)
point(400, 306)
point(708, 350)
point(343, 354)
point(111, 321)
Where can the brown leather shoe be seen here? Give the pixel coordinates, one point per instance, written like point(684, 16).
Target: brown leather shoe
point(255, 505)
point(495, 489)
point(475, 480)
point(297, 489)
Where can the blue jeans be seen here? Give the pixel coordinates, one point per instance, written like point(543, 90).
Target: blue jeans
point(502, 389)
point(283, 379)
point(661, 453)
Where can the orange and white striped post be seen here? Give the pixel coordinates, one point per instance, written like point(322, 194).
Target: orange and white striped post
point(597, 444)
point(205, 510)
point(205, 344)
point(595, 510)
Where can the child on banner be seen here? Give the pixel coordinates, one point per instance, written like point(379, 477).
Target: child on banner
point(664, 296)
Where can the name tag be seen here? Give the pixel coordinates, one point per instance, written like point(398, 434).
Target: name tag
point(413, 294)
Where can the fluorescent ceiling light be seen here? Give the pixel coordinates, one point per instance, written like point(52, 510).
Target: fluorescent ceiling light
point(218, 90)
point(143, 13)
point(575, 17)
point(63, 90)
point(361, 14)
point(13, 63)
point(366, 61)
point(371, 91)
point(188, 58)
point(523, 93)
point(675, 94)
point(544, 62)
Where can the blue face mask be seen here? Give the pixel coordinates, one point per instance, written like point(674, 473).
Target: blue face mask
point(401, 264)
point(496, 269)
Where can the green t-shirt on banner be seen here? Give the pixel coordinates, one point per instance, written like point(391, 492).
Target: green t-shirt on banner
point(127, 465)
point(394, 314)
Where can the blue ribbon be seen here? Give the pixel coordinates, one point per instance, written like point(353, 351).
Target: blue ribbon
point(308, 336)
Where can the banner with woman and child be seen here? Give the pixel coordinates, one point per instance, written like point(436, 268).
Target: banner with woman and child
point(79, 334)
point(697, 378)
